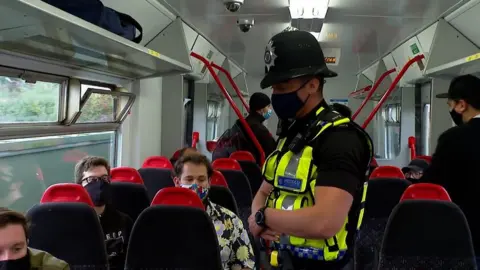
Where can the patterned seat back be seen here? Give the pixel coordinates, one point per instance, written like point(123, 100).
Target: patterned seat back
point(383, 195)
point(427, 234)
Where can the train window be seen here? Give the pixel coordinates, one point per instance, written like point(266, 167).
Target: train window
point(28, 100)
point(29, 166)
point(98, 107)
point(213, 113)
point(388, 127)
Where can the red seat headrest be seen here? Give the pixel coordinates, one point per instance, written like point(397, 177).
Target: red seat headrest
point(177, 196)
point(176, 155)
point(243, 155)
point(226, 164)
point(66, 192)
point(126, 174)
point(426, 158)
point(425, 191)
point(218, 179)
point(387, 172)
point(211, 145)
point(157, 162)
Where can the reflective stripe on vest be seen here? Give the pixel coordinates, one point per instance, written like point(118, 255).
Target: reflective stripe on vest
point(294, 177)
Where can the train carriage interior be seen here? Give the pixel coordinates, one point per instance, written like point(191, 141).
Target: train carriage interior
point(72, 85)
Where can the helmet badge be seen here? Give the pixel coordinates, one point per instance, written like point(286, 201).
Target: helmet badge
point(270, 55)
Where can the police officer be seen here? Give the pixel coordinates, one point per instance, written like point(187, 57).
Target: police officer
point(318, 169)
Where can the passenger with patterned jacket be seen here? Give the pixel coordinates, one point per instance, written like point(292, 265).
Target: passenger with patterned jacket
point(193, 171)
point(14, 253)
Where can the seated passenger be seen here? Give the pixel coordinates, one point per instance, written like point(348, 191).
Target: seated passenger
point(93, 173)
point(414, 171)
point(194, 172)
point(237, 139)
point(14, 253)
point(343, 110)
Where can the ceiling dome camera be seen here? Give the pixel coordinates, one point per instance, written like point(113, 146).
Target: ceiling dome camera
point(245, 24)
point(233, 5)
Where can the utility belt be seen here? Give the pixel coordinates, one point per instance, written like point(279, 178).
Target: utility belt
point(330, 249)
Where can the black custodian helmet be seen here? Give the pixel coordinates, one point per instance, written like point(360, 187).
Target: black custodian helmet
point(293, 54)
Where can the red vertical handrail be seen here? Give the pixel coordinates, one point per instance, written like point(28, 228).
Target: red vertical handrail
point(392, 87)
point(232, 104)
point(232, 82)
point(371, 91)
point(195, 139)
point(412, 145)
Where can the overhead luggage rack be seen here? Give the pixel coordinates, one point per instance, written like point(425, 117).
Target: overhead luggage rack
point(39, 30)
point(462, 66)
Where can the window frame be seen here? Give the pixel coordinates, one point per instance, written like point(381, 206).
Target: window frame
point(41, 77)
point(118, 116)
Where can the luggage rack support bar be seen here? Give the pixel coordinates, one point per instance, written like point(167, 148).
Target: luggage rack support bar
point(232, 104)
point(234, 85)
point(392, 87)
point(371, 91)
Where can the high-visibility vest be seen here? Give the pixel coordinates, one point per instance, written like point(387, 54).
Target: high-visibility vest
point(293, 176)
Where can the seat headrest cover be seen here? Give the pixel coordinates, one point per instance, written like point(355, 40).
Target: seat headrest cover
point(218, 179)
point(226, 164)
point(126, 174)
point(387, 172)
point(157, 162)
point(66, 192)
point(177, 196)
point(243, 156)
point(425, 191)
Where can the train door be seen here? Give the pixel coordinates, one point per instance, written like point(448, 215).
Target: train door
point(423, 94)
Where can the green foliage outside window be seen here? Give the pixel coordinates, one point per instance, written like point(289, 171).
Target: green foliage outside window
point(39, 102)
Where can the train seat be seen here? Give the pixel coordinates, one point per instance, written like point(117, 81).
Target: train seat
point(427, 234)
point(218, 179)
point(70, 231)
point(155, 179)
point(129, 198)
point(426, 191)
point(158, 162)
point(387, 172)
point(187, 241)
point(177, 196)
point(238, 184)
point(126, 174)
point(382, 196)
point(223, 197)
point(250, 168)
point(66, 192)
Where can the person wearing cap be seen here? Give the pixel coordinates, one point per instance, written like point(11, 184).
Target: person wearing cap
point(414, 170)
point(315, 179)
point(261, 110)
point(455, 162)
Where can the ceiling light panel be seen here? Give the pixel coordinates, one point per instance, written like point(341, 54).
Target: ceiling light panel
point(308, 9)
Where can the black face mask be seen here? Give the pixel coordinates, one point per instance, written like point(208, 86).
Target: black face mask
point(99, 191)
point(456, 117)
point(18, 264)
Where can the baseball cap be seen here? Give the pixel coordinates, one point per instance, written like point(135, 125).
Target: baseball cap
point(293, 54)
point(417, 165)
point(466, 87)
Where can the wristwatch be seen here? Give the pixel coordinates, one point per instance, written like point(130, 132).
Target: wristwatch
point(260, 217)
